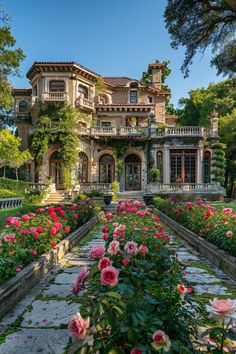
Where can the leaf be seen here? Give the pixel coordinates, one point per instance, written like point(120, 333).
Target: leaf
point(116, 351)
point(113, 294)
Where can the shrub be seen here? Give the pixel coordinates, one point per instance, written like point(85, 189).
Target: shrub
point(81, 196)
point(11, 184)
point(115, 189)
point(154, 175)
point(5, 193)
point(96, 193)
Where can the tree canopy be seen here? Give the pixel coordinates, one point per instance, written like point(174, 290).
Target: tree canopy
point(201, 24)
point(10, 59)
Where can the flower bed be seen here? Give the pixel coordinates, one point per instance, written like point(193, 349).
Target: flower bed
point(217, 226)
point(135, 302)
point(25, 238)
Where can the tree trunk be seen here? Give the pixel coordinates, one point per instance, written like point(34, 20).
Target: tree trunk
point(4, 171)
point(17, 174)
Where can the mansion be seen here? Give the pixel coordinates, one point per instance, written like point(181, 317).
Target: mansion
point(127, 114)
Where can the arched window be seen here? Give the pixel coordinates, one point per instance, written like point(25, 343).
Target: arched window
point(83, 167)
point(82, 91)
point(133, 85)
point(57, 86)
point(23, 105)
point(160, 164)
point(207, 166)
point(106, 169)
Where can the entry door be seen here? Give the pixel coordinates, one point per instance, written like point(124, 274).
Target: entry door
point(133, 173)
point(183, 166)
point(57, 173)
point(106, 169)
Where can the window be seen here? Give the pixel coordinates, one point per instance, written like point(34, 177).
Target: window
point(56, 86)
point(82, 91)
point(183, 166)
point(83, 167)
point(149, 99)
point(23, 105)
point(106, 124)
point(207, 166)
point(133, 96)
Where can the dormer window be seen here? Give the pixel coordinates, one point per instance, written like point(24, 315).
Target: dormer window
point(23, 105)
point(82, 91)
point(133, 96)
point(57, 86)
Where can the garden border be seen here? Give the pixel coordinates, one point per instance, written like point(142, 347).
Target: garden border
point(214, 254)
point(13, 290)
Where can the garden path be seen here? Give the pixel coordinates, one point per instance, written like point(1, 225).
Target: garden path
point(38, 324)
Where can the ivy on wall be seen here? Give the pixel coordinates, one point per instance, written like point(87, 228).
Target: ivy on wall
point(57, 124)
point(218, 163)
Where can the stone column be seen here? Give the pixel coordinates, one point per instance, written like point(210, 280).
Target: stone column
point(166, 164)
point(199, 178)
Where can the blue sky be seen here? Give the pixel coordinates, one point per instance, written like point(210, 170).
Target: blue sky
point(110, 37)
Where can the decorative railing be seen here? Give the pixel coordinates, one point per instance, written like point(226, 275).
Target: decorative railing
point(55, 96)
point(105, 131)
point(6, 203)
point(98, 186)
point(38, 186)
point(84, 102)
point(20, 116)
point(138, 131)
point(184, 131)
point(84, 131)
point(184, 187)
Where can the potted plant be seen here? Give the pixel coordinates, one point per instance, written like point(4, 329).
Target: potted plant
point(148, 199)
point(154, 175)
point(107, 198)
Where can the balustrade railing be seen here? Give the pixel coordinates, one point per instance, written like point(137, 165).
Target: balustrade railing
point(55, 96)
point(38, 186)
point(183, 187)
point(22, 116)
point(104, 131)
point(183, 131)
point(131, 131)
point(6, 203)
point(84, 102)
point(98, 186)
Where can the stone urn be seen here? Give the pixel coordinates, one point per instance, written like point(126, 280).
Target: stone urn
point(148, 199)
point(107, 198)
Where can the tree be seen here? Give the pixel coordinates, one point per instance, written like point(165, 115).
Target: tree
point(10, 153)
point(199, 24)
point(10, 59)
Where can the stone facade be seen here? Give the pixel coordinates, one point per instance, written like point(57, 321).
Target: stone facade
point(127, 115)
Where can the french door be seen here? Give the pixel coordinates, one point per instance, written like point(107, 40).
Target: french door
point(57, 173)
point(106, 169)
point(132, 173)
point(183, 166)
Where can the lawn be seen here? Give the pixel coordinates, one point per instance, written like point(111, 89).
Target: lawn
point(225, 205)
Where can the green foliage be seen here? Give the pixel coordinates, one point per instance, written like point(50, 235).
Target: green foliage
point(36, 196)
point(100, 86)
point(218, 163)
point(154, 174)
point(96, 193)
point(57, 124)
point(5, 193)
point(115, 189)
point(10, 59)
point(161, 128)
point(81, 196)
point(198, 25)
point(13, 185)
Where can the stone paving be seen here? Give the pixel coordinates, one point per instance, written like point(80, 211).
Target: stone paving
point(38, 324)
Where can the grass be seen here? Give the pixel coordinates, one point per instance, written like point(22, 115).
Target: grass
point(225, 205)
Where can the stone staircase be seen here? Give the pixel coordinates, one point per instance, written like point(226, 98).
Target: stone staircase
point(56, 197)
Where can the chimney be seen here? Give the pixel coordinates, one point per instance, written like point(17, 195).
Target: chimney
point(155, 70)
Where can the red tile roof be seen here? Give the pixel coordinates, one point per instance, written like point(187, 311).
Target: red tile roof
point(118, 80)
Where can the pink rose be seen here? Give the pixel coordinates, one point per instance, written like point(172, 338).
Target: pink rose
point(109, 276)
point(161, 341)
point(108, 215)
point(67, 229)
point(25, 217)
point(131, 247)
point(97, 252)
point(78, 283)
point(141, 213)
point(125, 261)
point(40, 210)
point(115, 224)
point(136, 351)
point(114, 247)
point(104, 229)
point(78, 326)
point(221, 307)
point(105, 236)
point(189, 203)
point(227, 211)
point(200, 202)
point(229, 233)
point(103, 263)
point(34, 252)
point(122, 227)
point(18, 269)
point(143, 249)
point(182, 289)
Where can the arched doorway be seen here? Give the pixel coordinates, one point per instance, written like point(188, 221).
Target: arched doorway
point(132, 173)
point(106, 169)
point(83, 167)
point(56, 169)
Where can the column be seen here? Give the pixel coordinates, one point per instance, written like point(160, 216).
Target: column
point(199, 164)
point(166, 164)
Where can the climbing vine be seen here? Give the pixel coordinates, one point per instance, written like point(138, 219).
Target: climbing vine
point(218, 163)
point(57, 124)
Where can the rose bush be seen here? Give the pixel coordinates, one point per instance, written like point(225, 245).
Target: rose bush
point(217, 226)
point(136, 300)
point(25, 238)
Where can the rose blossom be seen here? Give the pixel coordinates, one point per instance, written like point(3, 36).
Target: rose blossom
point(34, 252)
point(227, 211)
point(114, 247)
point(78, 283)
point(97, 252)
point(200, 202)
point(122, 227)
point(143, 249)
point(109, 276)
point(115, 224)
point(104, 229)
point(105, 236)
point(103, 263)
point(229, 233)
point(25, 217)
point(221, 307)
point(141, 213)
point(78, 326)
point(136, 351)
point(161, 341)
point(18, 269)
point(125, 261)
point(131, 247)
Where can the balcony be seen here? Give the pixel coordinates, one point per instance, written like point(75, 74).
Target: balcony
point(104, 131)
point(114, 131)
point(188, 188)
point(184, 131)
point(22, 117)
point(84, 103)
point(55, 96)
point(133, 131)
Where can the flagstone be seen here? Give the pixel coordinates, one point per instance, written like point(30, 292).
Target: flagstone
point(65, 278)
point(203, 278)
point(216, 289)
point(185, 256)
point(73, 269)
point(30, 341)
point(195, 270)
point(62, 290)
point(49, 313)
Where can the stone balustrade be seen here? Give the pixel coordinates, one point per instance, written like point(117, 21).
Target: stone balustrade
point(6, 203)
point(103, 131)
point(98, 186)
point(184, 131)
point(55, 96)
point(22, 117)
point(163, 188)
point(38, 186)
point(84, 102)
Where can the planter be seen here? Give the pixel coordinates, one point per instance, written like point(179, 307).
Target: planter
point(148, 199)
point(217, 256)
point(107, 199)
point(16, 288)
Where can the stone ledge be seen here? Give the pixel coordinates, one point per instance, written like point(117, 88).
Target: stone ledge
point(15, 289)
point(217, 256)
